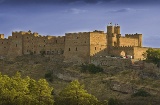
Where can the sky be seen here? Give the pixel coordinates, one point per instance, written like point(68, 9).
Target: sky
point(57, 17)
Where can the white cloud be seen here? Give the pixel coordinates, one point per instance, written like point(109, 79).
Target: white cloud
point(125, 10)
point(75, 11)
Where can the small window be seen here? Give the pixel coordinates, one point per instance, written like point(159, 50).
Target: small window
point(56, 41)
point(4, 47)
point(69, 49)
point(44, 45)
point(76, 48)
point(77, 37)
point(27, 37)
point(16, 36)
point(2, 42)
point(44, 41)
point(95, 48)
point(16, 45)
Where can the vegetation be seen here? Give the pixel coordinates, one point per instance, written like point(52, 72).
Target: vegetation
point(91, 68)
point(49, 76)
point(74, 94)
point(113, 101)
point(141, 93)
point(153, 55)
point(17, 91)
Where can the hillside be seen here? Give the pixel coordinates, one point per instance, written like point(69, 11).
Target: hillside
point(114, 82)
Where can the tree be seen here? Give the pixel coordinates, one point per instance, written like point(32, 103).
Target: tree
point(74, 94)
point(18, 91)
point(153, 55)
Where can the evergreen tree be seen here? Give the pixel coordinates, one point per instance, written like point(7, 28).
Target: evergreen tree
point(74, 94)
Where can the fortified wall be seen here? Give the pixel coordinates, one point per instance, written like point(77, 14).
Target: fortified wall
point(81, 47)
point(21, 43)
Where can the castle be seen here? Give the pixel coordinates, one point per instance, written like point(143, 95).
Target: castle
point(81, 47)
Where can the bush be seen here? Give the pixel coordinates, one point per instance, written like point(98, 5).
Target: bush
point(141, 93)
point(113, 101)
point(91, 68)
point(49, 76)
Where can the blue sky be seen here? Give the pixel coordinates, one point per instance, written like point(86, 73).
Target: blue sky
point(57, 17)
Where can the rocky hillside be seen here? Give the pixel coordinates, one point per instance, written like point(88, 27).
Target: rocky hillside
point(113, 82)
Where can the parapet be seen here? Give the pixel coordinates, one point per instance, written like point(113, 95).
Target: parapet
point(77, 33)
point(25, 33)
point(123, 47)
point(132, 35)
point(98, 31)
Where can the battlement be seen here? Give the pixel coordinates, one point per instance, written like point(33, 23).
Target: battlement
point(98, 31)
point(25, 33)
point(133, 35)
point(76, 33)
point(122, 47)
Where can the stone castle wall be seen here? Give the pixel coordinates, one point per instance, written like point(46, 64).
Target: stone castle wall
point(78, 47)
point(124, 41)
point(98, 42)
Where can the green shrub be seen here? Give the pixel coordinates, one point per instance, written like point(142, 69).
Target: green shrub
point(141, 93)
point(113, 101)
point(91, 68)
point(49, 76)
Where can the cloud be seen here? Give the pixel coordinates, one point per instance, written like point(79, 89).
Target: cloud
point(121, 10)
point(75, 11)
point(80, 2)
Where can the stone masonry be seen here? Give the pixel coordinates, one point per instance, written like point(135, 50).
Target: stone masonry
point(81, 47)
